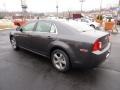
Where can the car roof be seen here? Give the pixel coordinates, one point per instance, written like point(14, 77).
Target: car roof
point(61, 26)
point(65, 26)
point(64, 21)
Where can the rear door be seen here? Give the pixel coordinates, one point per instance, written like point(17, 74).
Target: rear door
point(42, 37)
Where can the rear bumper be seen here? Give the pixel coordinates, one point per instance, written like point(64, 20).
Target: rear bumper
point(94, 58)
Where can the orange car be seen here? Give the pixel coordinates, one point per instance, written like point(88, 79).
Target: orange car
point(19, 22)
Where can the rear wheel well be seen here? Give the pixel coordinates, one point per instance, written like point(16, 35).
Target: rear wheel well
point(57, 47)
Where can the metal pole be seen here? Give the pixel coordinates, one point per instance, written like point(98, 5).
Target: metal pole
point(81, 6)
point(5, 11)
point(81, 1)
point(101, 1)
point(57, 9)
point(118, 12)
point(22, 9)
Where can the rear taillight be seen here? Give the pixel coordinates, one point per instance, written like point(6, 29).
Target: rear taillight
point(97, 45)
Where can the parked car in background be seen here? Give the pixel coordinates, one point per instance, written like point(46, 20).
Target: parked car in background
point(19, 22)
point(67, 43)
point(107, 18)
point(91, 23)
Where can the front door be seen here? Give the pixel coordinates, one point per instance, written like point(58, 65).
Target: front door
point(24, 38)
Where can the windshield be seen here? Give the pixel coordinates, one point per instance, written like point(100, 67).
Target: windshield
point(79, 26)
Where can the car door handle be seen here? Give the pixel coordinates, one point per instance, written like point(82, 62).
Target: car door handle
point(49, 37)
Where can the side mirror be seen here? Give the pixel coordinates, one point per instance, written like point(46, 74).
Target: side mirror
point(19, 29)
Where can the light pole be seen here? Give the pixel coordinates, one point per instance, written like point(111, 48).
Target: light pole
point(81, 1)
point(101, 1)
point(24, 7)
point(5, 11)
point(57, 9)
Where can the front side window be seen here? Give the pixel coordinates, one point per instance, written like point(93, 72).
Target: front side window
point(29, 27)
point(43, 27)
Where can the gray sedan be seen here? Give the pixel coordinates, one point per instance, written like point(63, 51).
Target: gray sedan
point(66, 43)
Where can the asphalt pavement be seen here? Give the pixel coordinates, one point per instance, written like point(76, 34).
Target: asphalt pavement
point(23, 70)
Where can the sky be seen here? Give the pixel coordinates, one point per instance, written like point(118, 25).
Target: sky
point(50, 5)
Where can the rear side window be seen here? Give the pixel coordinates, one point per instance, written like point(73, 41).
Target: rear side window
point(53, 29)
point(29, 27)
point(43, 27)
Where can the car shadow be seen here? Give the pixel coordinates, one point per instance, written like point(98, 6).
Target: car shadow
point(43, 65)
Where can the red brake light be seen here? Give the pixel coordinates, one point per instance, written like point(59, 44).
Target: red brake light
point(97, 45)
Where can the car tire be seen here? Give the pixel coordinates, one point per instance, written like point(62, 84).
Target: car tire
point(60, 60)
point(13, 43)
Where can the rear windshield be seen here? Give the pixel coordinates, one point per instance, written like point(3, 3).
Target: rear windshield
point(79, 26)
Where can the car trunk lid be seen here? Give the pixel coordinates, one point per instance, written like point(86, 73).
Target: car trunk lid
point(103, 37)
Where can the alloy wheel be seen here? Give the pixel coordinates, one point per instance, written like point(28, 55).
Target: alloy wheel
point(59, 60)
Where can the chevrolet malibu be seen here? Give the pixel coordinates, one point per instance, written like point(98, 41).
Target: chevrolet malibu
point(66, 43)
